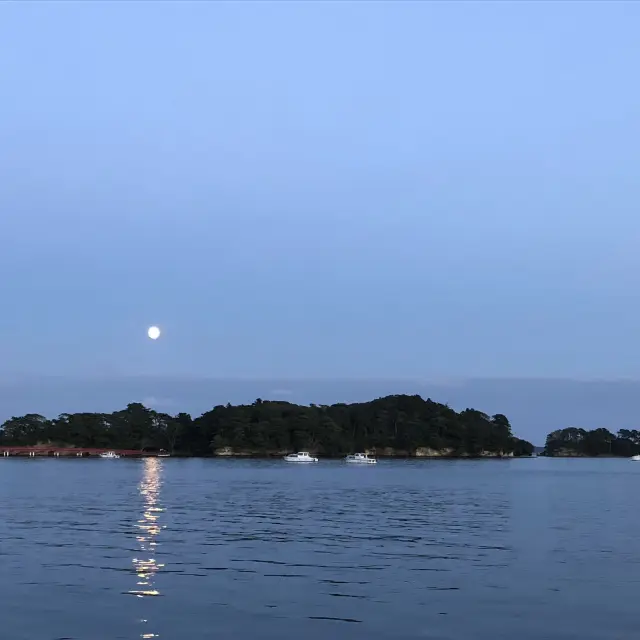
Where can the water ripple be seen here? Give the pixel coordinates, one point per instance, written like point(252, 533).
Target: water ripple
point(260, 550)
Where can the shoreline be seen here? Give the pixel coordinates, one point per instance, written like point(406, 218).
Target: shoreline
point(74, 453)
point(608, 456)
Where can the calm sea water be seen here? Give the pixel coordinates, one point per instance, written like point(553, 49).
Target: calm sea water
point(199, 549)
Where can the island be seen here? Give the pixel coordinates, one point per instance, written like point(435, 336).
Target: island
point(393, 426)
point(574, 442)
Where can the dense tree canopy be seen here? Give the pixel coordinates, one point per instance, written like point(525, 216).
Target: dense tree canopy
point(598, 442)
point(394, 425)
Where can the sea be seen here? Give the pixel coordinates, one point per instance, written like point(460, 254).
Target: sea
point(199, 549)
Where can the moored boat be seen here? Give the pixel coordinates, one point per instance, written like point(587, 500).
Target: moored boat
point(110, 455)
point(360, 458)
point(301, 456)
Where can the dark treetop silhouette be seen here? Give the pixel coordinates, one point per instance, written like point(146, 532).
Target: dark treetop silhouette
point(574, 442)
point(395, 425)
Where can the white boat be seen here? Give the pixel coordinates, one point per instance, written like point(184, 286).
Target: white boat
point(111, 455)
point(301, 456)
point(163, 454)
point(360, 458)
point(636, 458)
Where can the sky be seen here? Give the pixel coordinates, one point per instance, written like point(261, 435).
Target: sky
point(320, 189)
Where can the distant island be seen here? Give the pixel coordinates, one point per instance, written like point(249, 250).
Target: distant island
point(574, 442)
point(397, 425)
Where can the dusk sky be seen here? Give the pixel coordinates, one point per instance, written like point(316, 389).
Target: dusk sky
point(317, 190)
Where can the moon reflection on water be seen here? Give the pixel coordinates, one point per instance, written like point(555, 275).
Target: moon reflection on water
point(148, 527)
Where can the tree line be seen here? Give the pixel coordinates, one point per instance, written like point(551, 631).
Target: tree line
point(393, 425)
point(597, 442)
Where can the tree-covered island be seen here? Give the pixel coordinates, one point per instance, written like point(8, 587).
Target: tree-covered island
point(398, 425)
point(574, 442)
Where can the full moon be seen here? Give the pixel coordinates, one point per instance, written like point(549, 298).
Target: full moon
point(153, 333)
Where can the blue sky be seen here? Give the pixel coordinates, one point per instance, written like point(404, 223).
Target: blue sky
point(325, 189)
